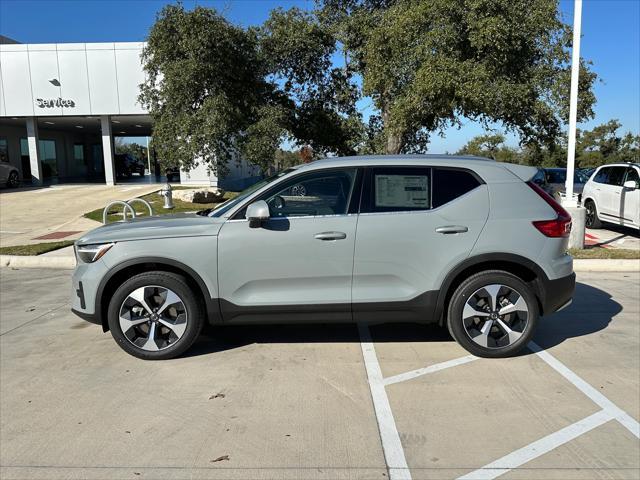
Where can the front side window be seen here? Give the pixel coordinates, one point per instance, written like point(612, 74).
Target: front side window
point(632, 175)
point(324, 192)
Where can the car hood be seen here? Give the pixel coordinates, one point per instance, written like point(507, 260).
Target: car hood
point(165, 226)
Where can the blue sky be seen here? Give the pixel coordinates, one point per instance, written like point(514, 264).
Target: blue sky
point(610, 28)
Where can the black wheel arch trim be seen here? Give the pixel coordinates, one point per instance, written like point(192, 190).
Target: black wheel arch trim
point(211, 304)
point(540, 285)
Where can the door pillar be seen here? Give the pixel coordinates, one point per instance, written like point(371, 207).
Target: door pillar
point(33, 139)
point(108, 150)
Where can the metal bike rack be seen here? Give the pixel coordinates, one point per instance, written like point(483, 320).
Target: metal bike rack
point(142, 200)
point(124, 210)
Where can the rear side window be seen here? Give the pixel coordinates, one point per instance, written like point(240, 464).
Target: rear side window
point(616, 175)
point(397, 189)
point(602, 176)
point(450, 184)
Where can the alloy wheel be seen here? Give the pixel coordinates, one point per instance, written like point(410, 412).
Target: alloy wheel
point(153, 318)
point(590, 214)
point(495, 316)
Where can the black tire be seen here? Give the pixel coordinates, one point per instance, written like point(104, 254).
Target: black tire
point(468, 287)
point(177, 284)
point(591, 219)
point(13, 180)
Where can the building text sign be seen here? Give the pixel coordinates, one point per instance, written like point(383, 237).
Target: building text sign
point(55, 102)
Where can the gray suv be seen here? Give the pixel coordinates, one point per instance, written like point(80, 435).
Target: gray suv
point(464, 242)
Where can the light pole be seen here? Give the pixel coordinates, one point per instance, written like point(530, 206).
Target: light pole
point(569, 200)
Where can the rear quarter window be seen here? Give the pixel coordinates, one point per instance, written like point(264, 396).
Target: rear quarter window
point(602, 176)
point(449, 184)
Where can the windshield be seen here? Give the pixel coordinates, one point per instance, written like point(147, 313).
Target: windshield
point(223, 208)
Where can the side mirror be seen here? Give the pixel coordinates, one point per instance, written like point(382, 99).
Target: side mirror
point(257, 213)
point(630, 185)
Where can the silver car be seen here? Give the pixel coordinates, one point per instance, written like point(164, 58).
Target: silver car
point(468, 243)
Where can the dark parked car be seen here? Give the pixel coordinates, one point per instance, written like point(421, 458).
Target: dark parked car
point(552, 180)
point(127, 165)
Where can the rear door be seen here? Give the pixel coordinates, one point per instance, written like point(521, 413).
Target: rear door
point(415, 223)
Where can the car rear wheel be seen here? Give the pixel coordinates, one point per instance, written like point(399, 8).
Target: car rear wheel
point(591, 219)
point(13, 180)
point(493, 314)
point(155, 316)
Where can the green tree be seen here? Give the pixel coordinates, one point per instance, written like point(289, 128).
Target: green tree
point(427, 64)
point(490, 146)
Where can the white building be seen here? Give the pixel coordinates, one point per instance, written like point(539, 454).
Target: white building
point(61, 105)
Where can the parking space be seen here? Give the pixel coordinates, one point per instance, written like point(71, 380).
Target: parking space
point(321, 401)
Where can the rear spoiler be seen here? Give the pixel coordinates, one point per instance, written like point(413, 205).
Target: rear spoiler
point(523, 172)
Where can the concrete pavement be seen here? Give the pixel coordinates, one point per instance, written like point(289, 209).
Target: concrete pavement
point(32, 212)
point(295, 401)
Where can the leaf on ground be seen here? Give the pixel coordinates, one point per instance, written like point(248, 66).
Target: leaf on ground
point(220, 459)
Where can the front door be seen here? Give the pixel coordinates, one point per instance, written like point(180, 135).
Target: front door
point(415, 224)
point(298, 264)
point(631, 198)
point(611, 194)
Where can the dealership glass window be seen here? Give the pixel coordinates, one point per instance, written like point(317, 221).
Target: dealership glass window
point(78, 153)
point(4, 150)
point(48, 158)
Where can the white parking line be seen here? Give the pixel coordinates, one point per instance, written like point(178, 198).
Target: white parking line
point(391, 445)
point(539, 447)
point(598, 398)
point(402, 377)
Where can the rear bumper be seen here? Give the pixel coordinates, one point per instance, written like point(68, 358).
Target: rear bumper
point(557, 293)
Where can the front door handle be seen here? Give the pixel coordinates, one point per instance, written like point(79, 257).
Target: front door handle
point(330, 236)
point(449, 229)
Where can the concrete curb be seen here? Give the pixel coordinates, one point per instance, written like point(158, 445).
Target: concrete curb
point(41, 261)
point(600, 265)
point(37, 261)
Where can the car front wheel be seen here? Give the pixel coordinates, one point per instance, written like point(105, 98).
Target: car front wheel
point(493, 314)
point(155, 316)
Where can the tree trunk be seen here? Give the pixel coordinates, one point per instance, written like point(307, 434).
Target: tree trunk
point(394, 139)
point(394, 143)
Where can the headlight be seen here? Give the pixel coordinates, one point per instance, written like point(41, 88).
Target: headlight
point(91, 253)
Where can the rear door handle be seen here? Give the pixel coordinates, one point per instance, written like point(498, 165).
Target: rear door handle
point(449, 229)
point(330, 236)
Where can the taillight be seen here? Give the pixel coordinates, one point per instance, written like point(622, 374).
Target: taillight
point(560, 227)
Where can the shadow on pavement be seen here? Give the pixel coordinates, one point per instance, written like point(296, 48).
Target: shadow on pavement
point(592, 310)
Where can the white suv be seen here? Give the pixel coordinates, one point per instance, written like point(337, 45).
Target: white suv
point(612, 194)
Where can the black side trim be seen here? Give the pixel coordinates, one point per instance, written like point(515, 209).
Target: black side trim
point(555, 293)
point(89, 317)
point(419, 310)
point(309, 313)
point(212, 305)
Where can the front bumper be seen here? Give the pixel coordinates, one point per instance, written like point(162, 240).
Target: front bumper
point(89, 317)
point(557, 293)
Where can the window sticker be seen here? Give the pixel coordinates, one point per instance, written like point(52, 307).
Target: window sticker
point(409, 191)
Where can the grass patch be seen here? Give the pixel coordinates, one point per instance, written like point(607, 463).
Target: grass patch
point(35, 249)
point(605, 253)
point(156, 201)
